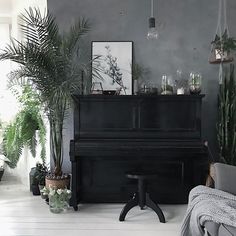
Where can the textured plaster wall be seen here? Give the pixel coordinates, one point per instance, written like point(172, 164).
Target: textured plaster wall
point(189, 27)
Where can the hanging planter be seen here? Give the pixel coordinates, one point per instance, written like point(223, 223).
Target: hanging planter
point(222, 45)
point(221, 49)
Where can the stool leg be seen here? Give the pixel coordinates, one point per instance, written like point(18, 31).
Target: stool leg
point(130, 204)
point(142, 193)
point(155, 208)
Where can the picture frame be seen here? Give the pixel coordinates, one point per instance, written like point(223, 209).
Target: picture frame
point(112, 66)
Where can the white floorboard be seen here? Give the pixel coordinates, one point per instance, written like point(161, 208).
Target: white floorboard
point(22, 214)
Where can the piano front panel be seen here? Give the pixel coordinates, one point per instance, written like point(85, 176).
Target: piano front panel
point(174, 116)
point(98, 187)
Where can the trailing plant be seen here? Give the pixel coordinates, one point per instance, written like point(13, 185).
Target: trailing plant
point(226, 126)
point(224, 43)
point(50, 61)
point(21, 131)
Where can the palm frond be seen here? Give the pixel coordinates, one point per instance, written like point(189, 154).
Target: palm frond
point(72, 38)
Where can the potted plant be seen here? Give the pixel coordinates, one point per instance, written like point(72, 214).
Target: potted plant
point(222, 46)
point(38, 182)
point(58, 198)
point(226, 125)
point(50, 61)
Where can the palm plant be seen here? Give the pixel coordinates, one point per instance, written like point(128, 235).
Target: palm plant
point(50, 62)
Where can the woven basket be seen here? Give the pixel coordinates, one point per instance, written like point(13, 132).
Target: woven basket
point(57, 183)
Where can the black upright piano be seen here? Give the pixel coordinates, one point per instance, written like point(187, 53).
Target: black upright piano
point(117, 134)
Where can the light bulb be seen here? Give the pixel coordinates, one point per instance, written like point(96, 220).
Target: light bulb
point(152, 31)
point(152, 34)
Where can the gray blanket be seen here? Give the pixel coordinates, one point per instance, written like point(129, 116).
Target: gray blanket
point(207, 204)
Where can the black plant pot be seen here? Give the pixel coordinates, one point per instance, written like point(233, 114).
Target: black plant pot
point(35, 189)
point(31, 177)
point(1, 174)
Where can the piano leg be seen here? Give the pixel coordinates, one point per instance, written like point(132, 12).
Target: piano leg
point(74, 197)
point(75, 177)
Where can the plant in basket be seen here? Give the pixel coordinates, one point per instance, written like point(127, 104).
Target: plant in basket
point(223, 45)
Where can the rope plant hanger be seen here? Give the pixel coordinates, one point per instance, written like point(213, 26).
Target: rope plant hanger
point(223, 44)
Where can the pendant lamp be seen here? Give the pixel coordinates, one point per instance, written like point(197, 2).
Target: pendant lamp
point(153, 32)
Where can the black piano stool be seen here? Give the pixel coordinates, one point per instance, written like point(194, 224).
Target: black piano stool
point(141, 198)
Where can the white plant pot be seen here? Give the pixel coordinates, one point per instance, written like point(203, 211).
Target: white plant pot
point(220, 55)
point(180, 91)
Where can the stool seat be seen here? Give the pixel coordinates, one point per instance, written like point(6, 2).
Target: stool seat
point(141, 175)
point(141, 198)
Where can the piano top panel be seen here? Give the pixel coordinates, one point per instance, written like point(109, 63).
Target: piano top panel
point(143, 116)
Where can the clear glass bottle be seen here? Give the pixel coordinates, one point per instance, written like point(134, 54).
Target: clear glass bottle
point(167, 85)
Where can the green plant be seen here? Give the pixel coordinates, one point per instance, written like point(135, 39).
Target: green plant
point(226, 126)
point(224, 43)
point(51, 62)
point(138, 71)
point(58, 198)
point(40, 173)
point(22, 130)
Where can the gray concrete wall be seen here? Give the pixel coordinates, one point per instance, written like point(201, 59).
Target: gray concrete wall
point(189, 27)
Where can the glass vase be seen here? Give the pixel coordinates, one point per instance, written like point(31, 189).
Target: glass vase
point(167, 85)
point(195, 83)
point(57, 204)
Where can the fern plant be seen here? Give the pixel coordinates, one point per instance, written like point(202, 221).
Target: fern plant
point(21, 131)
point(226, 126)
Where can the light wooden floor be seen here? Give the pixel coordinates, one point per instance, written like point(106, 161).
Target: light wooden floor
point(22, 214)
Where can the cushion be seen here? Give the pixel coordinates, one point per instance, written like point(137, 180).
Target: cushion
point(225, 176)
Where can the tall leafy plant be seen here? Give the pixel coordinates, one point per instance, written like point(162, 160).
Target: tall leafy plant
point(226, 126)
point(50, 61)
point(21, 132)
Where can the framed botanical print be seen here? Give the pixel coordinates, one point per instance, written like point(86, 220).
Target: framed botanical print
point(112, 66)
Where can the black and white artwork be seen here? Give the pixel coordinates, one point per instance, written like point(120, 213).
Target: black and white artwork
point(112, 66)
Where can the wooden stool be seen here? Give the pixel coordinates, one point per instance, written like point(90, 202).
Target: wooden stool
point(141, 198)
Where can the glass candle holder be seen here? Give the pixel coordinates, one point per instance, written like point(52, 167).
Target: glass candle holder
point(167, 85)
point(195, 83)
point(96, 88)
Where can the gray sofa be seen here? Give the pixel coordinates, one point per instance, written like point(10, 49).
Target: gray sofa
point(225, 180)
